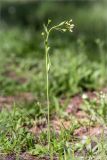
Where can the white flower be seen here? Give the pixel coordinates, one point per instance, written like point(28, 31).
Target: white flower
point(65, 26)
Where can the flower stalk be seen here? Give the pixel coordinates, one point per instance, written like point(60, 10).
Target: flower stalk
point(63, 27)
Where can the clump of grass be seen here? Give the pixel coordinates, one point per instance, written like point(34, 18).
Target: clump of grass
point(15, 138)
point(63, 27)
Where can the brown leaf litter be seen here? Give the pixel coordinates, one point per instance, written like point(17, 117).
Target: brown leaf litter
point(8, 101)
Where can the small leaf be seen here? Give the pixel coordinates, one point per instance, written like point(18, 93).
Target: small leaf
point(64, 30)
point(48, 49)
point(45, 28)
point(48, 67)
point(49, 21)
point(70, 20)
point(42, 33)
point(62, 23)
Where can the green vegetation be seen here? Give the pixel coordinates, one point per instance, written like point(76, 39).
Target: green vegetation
point(77, 112)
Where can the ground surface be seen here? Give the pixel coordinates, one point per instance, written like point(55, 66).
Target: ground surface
point(82, 123)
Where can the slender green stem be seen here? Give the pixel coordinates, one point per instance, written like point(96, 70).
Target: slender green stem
point(47, 90)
